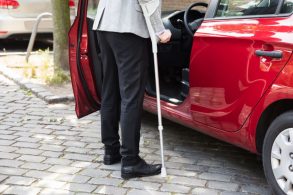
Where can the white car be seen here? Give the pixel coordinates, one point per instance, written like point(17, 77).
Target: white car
point(17, 18)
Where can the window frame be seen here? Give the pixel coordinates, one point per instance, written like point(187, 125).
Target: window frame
point(212, 10)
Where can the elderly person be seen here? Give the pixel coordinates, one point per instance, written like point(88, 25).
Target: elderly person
point(123, 38)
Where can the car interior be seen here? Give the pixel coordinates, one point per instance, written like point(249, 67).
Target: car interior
point(173, 58)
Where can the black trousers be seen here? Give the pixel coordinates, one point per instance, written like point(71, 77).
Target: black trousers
point(125, 60)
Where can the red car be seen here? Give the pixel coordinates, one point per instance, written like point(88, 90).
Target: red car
point(227, 72)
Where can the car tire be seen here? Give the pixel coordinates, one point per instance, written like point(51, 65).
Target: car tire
point(277, 154)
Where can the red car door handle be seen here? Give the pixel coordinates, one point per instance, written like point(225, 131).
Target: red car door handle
point(272, 54)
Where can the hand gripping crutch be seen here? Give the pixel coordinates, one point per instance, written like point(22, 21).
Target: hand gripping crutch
point(148, 9)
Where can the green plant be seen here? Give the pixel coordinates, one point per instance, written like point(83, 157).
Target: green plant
point(59, 77)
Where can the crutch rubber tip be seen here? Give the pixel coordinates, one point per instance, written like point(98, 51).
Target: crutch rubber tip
point(163, 172)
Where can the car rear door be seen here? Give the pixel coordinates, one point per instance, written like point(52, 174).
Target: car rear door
point(238, 52)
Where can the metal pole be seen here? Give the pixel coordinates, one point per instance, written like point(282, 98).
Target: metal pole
point(34, 34)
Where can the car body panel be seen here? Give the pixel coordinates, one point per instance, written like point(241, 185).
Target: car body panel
point(30, 8)
point(225, 100)
point(20, 21)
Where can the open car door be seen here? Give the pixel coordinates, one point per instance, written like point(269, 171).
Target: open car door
point(85, 63)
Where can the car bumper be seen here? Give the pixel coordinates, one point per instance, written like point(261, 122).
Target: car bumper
point(11, 27)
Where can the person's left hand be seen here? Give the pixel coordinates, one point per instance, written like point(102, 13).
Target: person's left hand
point(165, 37)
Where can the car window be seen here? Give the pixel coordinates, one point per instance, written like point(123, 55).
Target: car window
point(167, 5)
point(232, 8)
point(287, 7)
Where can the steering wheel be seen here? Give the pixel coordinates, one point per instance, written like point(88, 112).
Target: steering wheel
point(191, 27)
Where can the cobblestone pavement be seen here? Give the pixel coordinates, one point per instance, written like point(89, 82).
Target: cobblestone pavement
point(44, 149)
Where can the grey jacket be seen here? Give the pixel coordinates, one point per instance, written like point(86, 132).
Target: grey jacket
point(125, 16)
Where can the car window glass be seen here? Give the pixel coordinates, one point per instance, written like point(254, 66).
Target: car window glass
point(232, 8)
point(167, 5)
point(287, 7)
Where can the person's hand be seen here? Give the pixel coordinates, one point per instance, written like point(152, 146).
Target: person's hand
point(165, 36)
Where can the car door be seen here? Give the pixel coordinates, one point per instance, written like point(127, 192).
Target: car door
point(85, 62)
point(237, 53)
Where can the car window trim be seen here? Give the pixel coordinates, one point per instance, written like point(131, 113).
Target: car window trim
point(211, 12)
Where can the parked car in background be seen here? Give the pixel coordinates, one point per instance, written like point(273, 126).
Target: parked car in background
point(227, 72)
point(17, 18)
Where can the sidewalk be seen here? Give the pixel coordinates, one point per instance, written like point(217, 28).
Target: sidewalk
point(44, 149)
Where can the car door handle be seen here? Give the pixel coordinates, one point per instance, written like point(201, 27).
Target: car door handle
point(272, 54)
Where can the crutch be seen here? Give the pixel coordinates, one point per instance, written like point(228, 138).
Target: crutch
point(148, 9)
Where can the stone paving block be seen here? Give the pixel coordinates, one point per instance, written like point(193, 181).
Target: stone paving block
point(51, 154)
point(187, 181)
point(110, 190)
point(41, 174)
point(205, 191)
point(23, 134)
point(49, 191)
point(58, 161)
point(77, 150)
point(31, 158)
point(8, 137)
point(79, 157)
point(8, 149)
point(75, 187)
point(21, 190)
point(49, 183)
point(210, 163)
point(115, 167)
point(182, 160)
point(73, 178)
point(141, 185)
point(3, 188)
point(54, 148)
point(29, 151)
point(5, 155)
point(12, 171)
point(106, 181)
point(257, 189)
point(96, 173)
point(238, 193)
point(177, 172)
point(175, 188)
point(64, 169)
point(6, 142)
point(223, 185)
point(10, 163)
point(2, 178)
point(17, 180)
point(146, 192)
point(36, 166)
point(26, 145)
point(215, 176)
point(75, 144)
point(28, 139)
point(83, 164)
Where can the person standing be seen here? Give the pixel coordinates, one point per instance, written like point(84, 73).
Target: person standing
point(123, 39)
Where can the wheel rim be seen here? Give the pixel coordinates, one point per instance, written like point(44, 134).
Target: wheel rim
point(282, 160)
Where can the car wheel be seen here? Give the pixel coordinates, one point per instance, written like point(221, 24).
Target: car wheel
point(277, 154)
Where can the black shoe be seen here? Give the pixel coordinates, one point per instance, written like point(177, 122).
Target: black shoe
point(110, 159)
point(112, 155)
point(140, 169)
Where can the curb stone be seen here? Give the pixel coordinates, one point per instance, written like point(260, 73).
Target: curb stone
point(37, 89)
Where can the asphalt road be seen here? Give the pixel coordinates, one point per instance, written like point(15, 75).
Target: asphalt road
point(13, 46)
